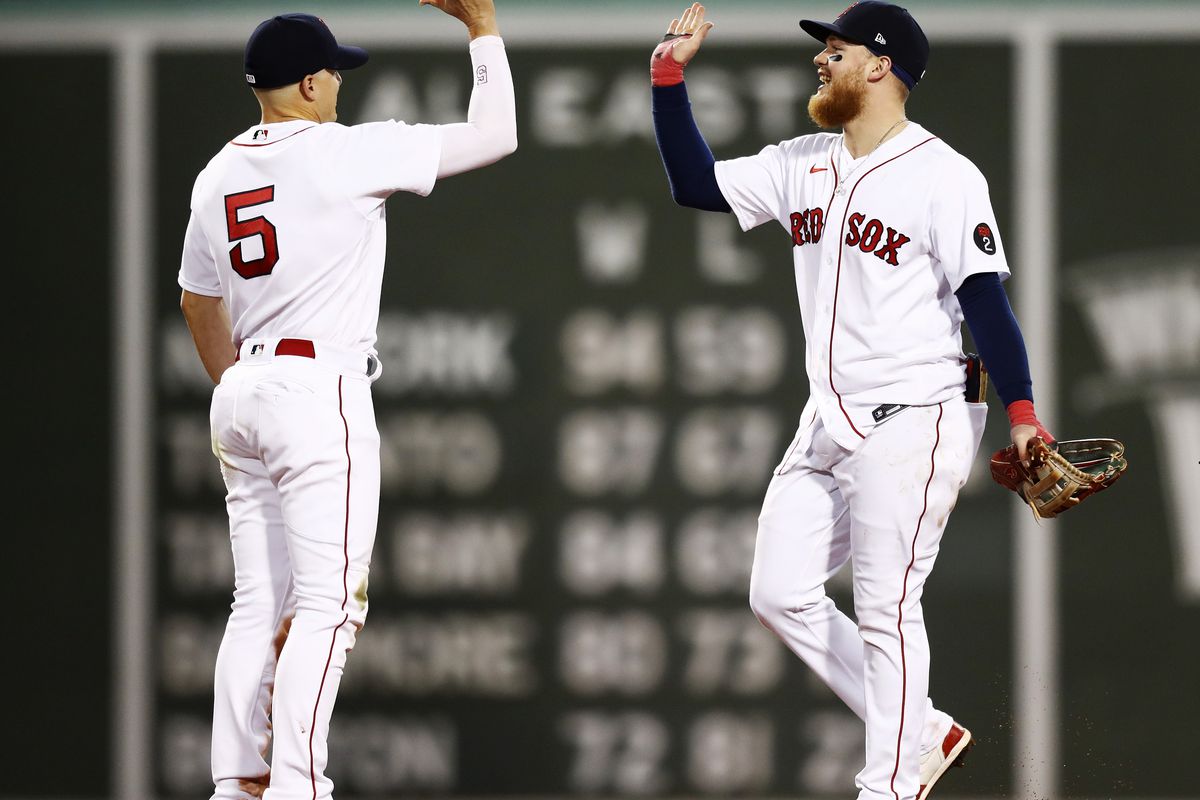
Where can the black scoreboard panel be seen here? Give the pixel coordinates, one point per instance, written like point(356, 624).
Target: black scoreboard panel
point(585, 390)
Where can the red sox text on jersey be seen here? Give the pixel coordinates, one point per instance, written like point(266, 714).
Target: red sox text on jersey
point(807, 227)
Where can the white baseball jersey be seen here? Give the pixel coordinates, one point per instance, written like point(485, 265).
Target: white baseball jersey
point(303, 203)
point(288, 228)
point(880, 246)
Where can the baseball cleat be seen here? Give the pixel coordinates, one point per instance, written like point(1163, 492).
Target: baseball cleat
point(951, 754)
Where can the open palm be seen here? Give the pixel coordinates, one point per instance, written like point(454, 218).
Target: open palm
point(690, 24)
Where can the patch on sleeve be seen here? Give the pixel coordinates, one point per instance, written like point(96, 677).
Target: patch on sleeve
point(985, 240)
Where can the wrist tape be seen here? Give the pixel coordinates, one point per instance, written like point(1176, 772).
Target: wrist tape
point(664, 69)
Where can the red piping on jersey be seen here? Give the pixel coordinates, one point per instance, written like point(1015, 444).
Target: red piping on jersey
point(904, 595)
point(277, 141)
point(838, 281)
point(312, 769)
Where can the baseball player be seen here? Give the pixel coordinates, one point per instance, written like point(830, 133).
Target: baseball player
point(281, 273)
point(895, 243)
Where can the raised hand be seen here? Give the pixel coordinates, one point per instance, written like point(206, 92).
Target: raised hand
point(683, 39)
point(478, 15)
point(692, 26)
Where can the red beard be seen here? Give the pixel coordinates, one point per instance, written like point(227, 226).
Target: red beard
point(841, 101)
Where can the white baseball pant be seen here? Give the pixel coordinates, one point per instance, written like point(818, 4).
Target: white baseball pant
point(884, 505)
point(299, 451)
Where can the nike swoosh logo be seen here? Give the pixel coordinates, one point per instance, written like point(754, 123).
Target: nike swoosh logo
point(815, 169)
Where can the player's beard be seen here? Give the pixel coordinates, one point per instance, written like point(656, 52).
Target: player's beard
point(841, 101)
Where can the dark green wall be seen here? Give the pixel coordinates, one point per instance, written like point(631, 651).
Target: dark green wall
point(1128, 169)
point(58, 536)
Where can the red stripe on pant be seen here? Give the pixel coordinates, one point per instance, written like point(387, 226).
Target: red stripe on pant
point(904, 595)
point(312, 769)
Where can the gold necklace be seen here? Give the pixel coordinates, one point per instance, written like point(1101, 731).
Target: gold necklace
point(841, 187)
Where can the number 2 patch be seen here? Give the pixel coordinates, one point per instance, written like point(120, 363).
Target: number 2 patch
point(985, 240)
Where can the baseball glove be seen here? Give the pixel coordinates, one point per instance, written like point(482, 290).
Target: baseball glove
point(1060, 475)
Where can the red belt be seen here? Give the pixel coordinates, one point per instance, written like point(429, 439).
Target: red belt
point(295, 347)
point(290, 347)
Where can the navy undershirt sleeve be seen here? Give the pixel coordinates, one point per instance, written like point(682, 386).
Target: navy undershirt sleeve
point(691, 168)
point(997, 336)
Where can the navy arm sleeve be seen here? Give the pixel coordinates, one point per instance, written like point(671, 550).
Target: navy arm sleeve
point(997, 336)
point(691, 168)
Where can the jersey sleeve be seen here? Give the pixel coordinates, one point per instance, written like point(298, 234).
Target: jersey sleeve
point(377, 159)
point(754, 186)
point(198, 269)
point(964, 235)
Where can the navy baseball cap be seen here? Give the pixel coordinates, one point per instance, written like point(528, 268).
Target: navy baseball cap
point(283, 49)
point(885, 30)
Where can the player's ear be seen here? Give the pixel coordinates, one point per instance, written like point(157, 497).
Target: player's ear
point(880, 69)
point(308, 87)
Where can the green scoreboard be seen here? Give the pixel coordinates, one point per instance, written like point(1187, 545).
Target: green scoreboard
point(585, 389)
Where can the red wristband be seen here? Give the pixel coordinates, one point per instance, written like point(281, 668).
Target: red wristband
point(1020, 412)
point(664, 69)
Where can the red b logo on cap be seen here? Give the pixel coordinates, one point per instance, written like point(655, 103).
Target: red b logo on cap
point(844, 13)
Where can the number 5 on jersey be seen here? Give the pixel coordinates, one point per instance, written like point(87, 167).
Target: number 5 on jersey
point(254, 226)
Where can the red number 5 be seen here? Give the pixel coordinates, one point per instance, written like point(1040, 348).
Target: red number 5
point(255, 226)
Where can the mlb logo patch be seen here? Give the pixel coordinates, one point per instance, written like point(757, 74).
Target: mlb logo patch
point(255, 349)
